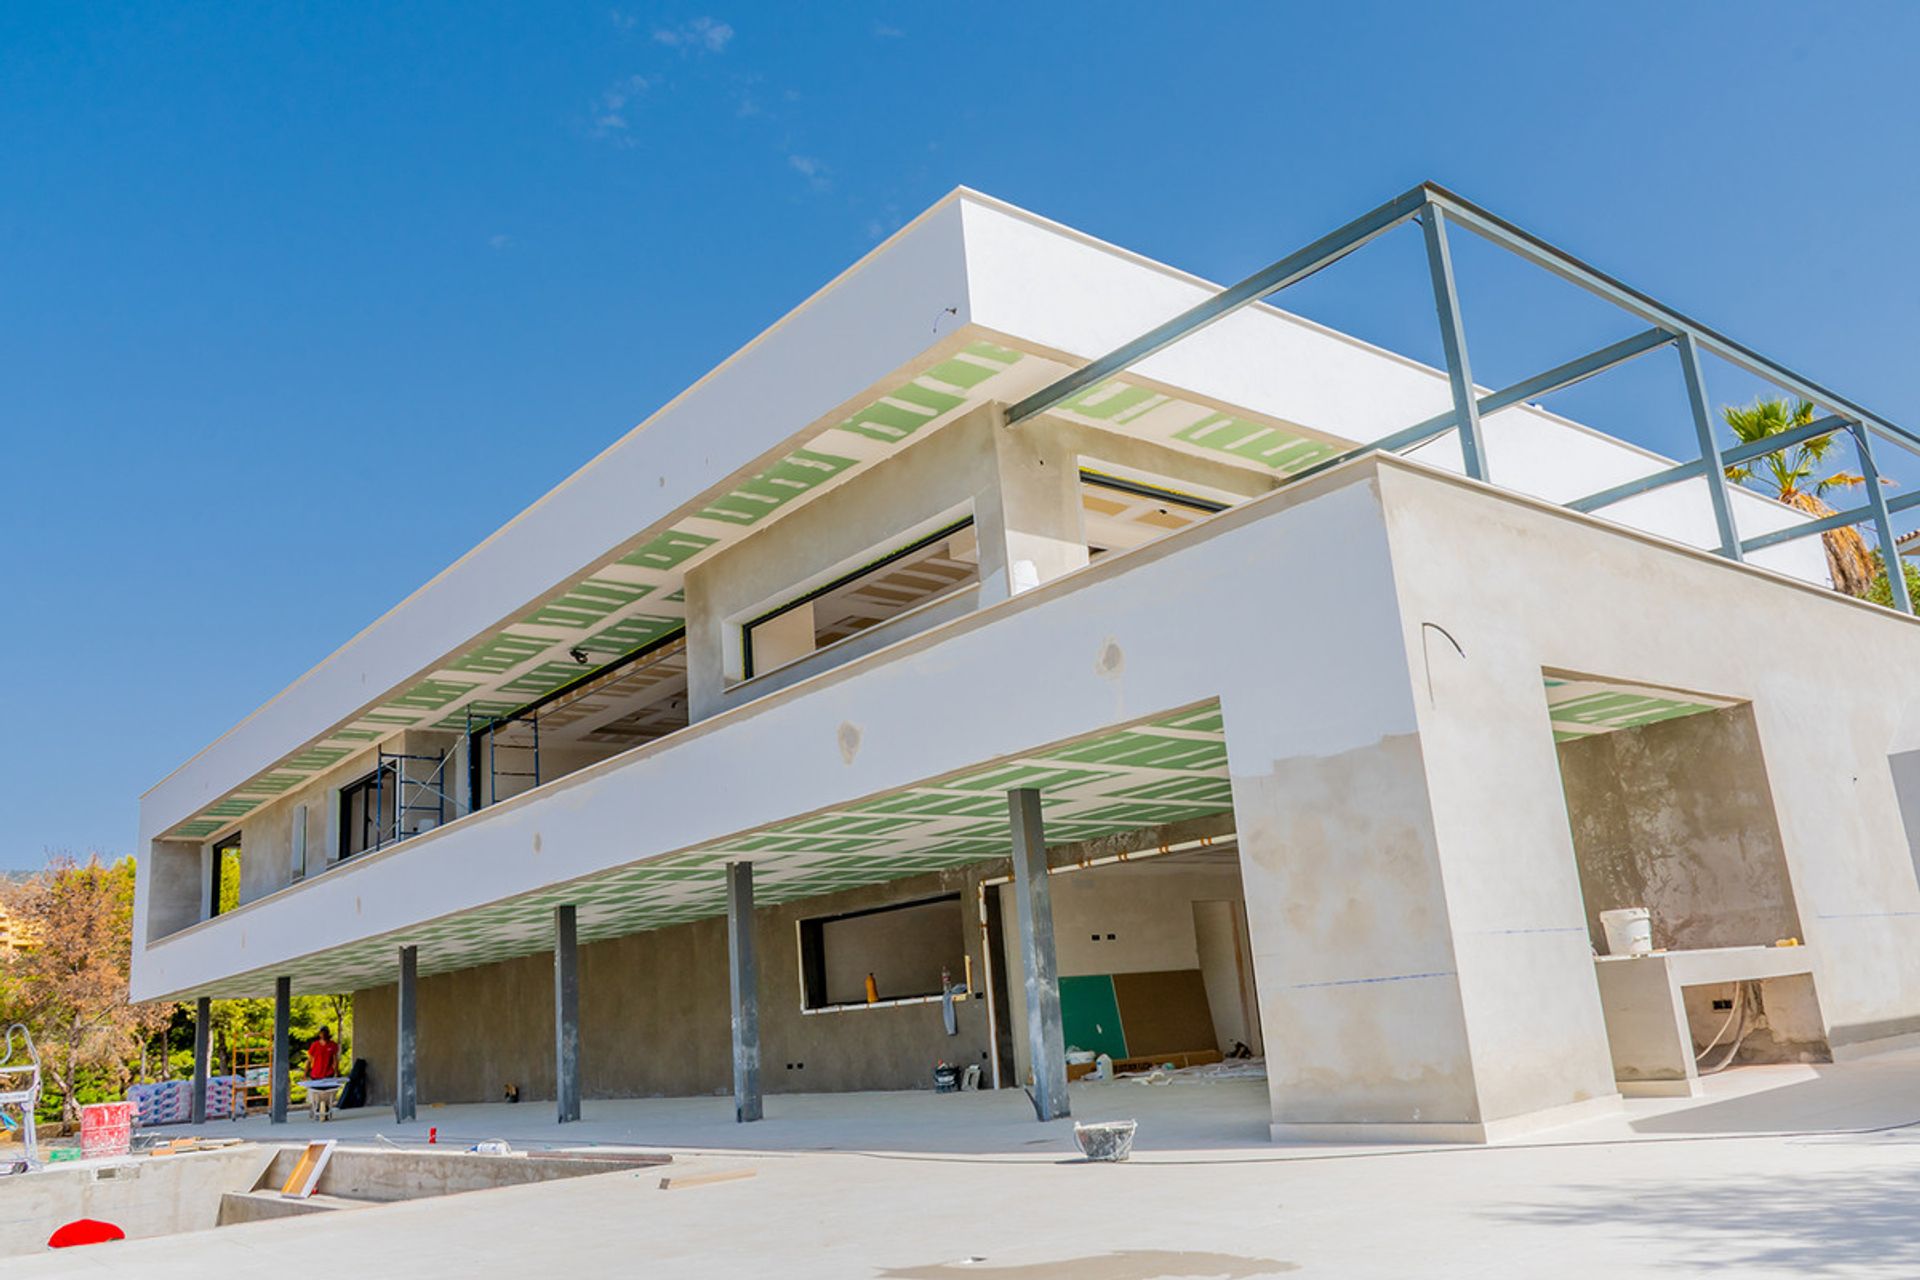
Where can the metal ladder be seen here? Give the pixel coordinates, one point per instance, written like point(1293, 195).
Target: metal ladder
point(13, 1069)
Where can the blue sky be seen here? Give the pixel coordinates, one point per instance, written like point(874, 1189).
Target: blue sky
point(297, 304)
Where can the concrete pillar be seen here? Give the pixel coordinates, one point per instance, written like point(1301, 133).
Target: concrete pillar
point(566, 1013)
point(1030, 523)
point(202, 1033)
point(403, 1043)
point(743, 974)
point(1046, 1041)
point(282, 1083)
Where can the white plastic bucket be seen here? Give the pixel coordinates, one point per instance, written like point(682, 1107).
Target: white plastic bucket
point(1629, 931)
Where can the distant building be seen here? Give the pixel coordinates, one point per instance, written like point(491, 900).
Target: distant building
point(15, 934)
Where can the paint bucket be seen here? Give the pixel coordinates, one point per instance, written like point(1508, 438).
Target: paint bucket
point(1629, 931)
point(106, 1128)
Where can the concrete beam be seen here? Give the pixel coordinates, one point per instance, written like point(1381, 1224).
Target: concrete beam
point(743, 974)
point(405, 1003)
point(566, 1012)
point(202, 1030)
point(281, 1085)
point(1046, 1041)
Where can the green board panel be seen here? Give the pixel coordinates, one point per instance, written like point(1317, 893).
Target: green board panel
point(1090, 1015)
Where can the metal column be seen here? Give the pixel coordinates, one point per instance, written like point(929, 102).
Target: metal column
point(282, 1083)
point(1882, 521)
point(566, 1012)
point(743, 975)
point(202, 1032)
point(404, 1041)
point(1446, 301)
point(1046, 1041)
point(1716, 471)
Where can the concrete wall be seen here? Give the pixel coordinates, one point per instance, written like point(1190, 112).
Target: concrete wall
point(1020, 485)
point(905, 951)
point(1146, 906)
point(948, 475)
point(1678, 817)
point(654, 1017)
point(1520, 589)
point(143, 1197)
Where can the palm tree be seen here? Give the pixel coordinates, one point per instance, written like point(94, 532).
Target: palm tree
point(1793, 476)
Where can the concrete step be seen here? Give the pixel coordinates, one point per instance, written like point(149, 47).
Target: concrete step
point(265, 1206)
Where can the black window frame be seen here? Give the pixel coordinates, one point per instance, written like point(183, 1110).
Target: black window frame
point(813, 956)
point(216, 869)
point(385, 793)
point(918, 544)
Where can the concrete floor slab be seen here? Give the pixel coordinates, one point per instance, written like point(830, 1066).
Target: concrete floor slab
point(1776, 1171)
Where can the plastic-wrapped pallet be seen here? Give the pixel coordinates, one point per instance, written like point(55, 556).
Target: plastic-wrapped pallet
point(171, 1101)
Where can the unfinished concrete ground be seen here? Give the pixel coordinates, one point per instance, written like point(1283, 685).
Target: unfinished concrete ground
point(1778, 1170)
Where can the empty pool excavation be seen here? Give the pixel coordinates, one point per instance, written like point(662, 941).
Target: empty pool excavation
point(160, 1193)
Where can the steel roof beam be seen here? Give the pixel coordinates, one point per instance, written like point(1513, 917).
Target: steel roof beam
point(1498, 230)
point(1739, 455)
point(1291, 269)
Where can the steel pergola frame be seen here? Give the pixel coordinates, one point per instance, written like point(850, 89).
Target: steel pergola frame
point(1435, 209)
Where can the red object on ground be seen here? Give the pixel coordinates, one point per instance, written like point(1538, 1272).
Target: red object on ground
point(106, 1129)
point(84, 1231)
point(323, 1059)
point(433, 1134)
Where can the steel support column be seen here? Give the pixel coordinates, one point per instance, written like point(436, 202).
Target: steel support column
point(404, 1043)
point(281, 1086)
point(1882, 521)
point(1046, 1041)
point(1446, 302)
point(566, 1013)
point(743, 975)
point(1716, 470)
point(202, 1035)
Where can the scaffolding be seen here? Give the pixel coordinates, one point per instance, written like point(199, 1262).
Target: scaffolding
point(527, 743)
point(414, 795)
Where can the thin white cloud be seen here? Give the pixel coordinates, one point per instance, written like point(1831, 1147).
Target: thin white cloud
point(708, 35)
point(812, 170)
point(886, 32)
point(610, 113)
point(498, 242)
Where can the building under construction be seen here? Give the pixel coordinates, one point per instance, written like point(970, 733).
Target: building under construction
point(1025, 651)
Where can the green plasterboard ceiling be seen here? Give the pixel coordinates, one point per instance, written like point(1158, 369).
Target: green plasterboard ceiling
point(1193, 427)
point(1170, 769)
point(1586, 708)
point(635, 599)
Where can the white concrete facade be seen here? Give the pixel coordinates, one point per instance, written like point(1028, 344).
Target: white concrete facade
point(1375, 639)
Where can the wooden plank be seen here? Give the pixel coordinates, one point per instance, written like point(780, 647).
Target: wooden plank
point(307, 1170)
point(702, 1179)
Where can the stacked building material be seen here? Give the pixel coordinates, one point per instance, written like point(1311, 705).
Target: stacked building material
point(171, 1101)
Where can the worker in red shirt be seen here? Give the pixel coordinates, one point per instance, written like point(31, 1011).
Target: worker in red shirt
point(323, 1056)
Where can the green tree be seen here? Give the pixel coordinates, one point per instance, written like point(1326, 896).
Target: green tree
point(1881, 591)
point(70, 985)
point(1800, 477)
